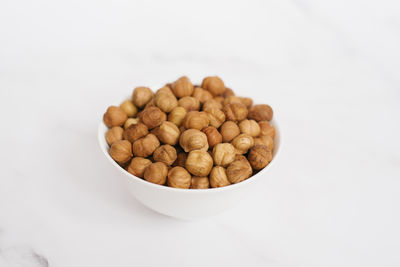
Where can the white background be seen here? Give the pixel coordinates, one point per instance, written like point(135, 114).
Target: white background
point(330, 70)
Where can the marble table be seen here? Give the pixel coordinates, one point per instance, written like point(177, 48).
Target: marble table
point(330, 69)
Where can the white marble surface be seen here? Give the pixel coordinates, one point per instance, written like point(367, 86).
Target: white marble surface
point(329, 68)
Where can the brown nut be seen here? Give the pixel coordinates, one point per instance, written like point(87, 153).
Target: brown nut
point(130, 121)
point(267, 128)
point(145, 146)
point(165, 101)
point(165, 89)
point(177, 115)
point(243, 143)
point(219, 99)
point(178, 177)
point(199, 163)
point(189, 103)
point(196, 120)
point(248, 102)
point(193, 139)
point(232, 99)
point(138, 165)
point(229, 130)
point(180, 160)
point(214, 84)
point(240, 157)
point(238, 171)
point(141, 96)
point(114, 134)
point(250, 127)
point(156, 173)
point(228, 92)
point(182, 87)
point(216, 117)
point(235, 112)
point(152, 117)
point(213, 136)
point(114, 116)
point(202, 95)
point(151, 103)
point(265, 140)
point(200, 183)
point(223, 154)
point(218, 177)
point(121, 151)
point(165, 153)
point(260, 156)
point(129, 108)
point(212, 103)
point(168, 133)
point(260, 113)
point(135, 131)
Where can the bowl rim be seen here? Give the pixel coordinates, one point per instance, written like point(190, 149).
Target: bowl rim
point(101, 140)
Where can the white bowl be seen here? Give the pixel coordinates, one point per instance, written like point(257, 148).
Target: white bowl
point(187, 204)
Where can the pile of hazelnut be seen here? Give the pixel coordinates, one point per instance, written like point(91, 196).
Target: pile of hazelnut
point(189, 136)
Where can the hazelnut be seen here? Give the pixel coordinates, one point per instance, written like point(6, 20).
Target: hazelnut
point(180, 159)
point(218, 177)
point(199, 163)
point(114, 134)
point(165, 101)
point(202, 95)
point(267, 128)
point(168, 133)
point(156, 173)
point(243, 143)
point(138, 165)
point(214, 84)
point(145, 146)
point(223, 154)
point(177, 115)
point(182, 87)
point(260, 156)
point(250, 127)
point(129, 108)
point(130, 121)
point(248, 102)
point(216, 117)
point(229, 130)
point(114, 116)
point(200, 183)
point(151, 103)
point(196, 120)
point(228, 92)
point(265, 140)
point(261, 113)
point(232, 99)
point(165, 153)
point(121, 151)
point(240, 157)
point(238, 171)
point(165, 89)
point(135, 131)
point(152, 117)
point(141, 96)
point(178, 177)
point(189, 103)
point(235, 111)
point(213, 136)
point(212, 103)
point(193, 139)
point(219, 99)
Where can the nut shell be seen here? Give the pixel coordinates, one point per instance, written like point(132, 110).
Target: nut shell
point(114, 116)
point(250, 127)
point(166, 154)
point(129, 108)
point(229, 130)
point(152, 117)
point(145, 146)
point(223, 154)
point(168, 133)
point(200, 183)
point(121, 151)
point(165, 100)
point(218, 177)
point(260, 113)
point(216, 117)
point(199, 163)
point(235, 112)
point(266, 128)
point(138, 166)
point(202, 95)
point(238, 171)
point(214, 84)
point(177, 115)
point(182, 87)
point(135, 131)
point(193, 139)
point(196, 120)
point(114, 134)
point(260, 156)
point(178, 177)
point(243, 143)
point(189, 103)
point(141, 96)
point(265, 140)
point(156, 173)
